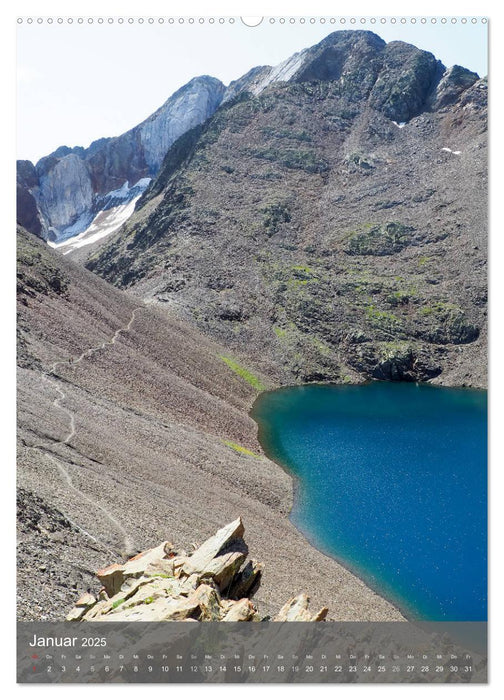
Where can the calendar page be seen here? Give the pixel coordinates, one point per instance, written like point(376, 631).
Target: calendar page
point(252, 349)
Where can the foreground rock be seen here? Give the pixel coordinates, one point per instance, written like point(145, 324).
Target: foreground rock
point(166, 584)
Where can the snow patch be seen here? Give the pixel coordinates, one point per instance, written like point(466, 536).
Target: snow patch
point(116, 203)
point(122, 194)
point(126, 192)
point(400, 125)
point(449, 150)
point(71, 231)
point(104, 223)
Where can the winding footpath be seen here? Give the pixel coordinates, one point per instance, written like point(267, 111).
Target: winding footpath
point(128, 542)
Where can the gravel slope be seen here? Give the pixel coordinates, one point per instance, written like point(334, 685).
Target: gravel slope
point(147, 457)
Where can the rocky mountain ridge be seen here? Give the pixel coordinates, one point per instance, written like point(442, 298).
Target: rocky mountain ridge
point(61, 195)
point(334, 224)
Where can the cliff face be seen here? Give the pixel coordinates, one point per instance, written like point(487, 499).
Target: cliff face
point(334, 224)
point(60, 196)
point(64, 191)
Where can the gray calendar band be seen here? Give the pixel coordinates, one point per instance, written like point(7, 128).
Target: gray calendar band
point(250, 652)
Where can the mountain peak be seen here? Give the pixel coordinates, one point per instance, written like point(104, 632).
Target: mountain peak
point(350, 36)
point(71, 183)
point(397, 79)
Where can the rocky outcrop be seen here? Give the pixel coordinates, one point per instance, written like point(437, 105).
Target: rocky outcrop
point(454, 82)
point(253, 81)
point(164, 583)
point(354, 58)
point(37, 274)
point(399, 79)
point(27, 212)
point(60, 196)
point(407, 77)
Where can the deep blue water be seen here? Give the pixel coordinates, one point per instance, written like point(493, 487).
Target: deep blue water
point(391, 480)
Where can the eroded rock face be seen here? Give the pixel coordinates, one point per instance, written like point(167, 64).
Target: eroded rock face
point(64, 192)
point(60, 196)
point(407, 77)
point(453, 83)
point(352, 57)
point(189, 106)
point(165, 584)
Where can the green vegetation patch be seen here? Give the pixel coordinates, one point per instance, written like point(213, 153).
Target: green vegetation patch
point(383, 320)
point(300, 276)
point(243, 373)
point(286, 134)
point(379, 239)
point(441, 308)
point(292, 158)
point(395, 350)
point(117, 603)
point(275, 215)
point(303, 271)
point(324, 349)
point(400, 297)
point(448, 323)
point(240, 449)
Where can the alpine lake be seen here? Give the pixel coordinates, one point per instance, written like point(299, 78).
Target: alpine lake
point(390, 480)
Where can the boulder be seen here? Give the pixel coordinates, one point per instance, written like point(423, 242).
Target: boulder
point(81, 607)
point(296, 610)
point(201, 559)
point(114, 576)
point(223, 569)
point(240, 611)
point(160, 610)
point(208, 601)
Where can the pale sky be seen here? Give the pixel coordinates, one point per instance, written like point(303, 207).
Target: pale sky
point(80, 82)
